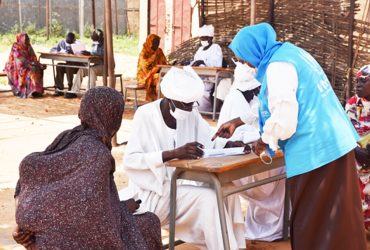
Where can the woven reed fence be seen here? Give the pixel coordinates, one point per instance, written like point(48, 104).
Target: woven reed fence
point(318, 26)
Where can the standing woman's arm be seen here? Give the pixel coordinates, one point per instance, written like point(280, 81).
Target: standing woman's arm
point(282, 84)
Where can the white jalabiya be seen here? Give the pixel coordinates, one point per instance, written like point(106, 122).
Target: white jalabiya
point(197, 220)
point(212, 57)
point(264, 216)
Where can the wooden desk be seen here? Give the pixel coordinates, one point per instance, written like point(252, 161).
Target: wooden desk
point(201, 71)
point(220, 172)
point(71, 58)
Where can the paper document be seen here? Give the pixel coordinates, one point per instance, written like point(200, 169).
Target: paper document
point(222, 152)
point(77, 48)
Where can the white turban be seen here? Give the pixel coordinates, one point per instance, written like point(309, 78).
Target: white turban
point(182, 85)
point(244, 77)
point(206, 30)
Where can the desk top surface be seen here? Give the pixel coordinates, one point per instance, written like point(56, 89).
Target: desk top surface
point(69, 55)
point(195, 68)
point(220, 164)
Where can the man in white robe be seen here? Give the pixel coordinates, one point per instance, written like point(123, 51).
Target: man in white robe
point(172, 128)
point(208, 55)
point(265, 212)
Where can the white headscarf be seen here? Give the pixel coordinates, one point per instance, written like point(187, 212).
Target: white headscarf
point(244, 77)
point(182, 85)
point(206, 30)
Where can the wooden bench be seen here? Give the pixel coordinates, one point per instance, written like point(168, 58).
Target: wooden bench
point(135, 88)
point(120, 78)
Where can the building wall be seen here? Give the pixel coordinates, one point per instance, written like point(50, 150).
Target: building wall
point(34, 11)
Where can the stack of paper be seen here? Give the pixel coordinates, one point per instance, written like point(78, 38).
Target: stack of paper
point(222, 152)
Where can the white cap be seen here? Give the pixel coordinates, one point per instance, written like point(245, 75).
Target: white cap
point(206, 30)
point(182, 85)
point(244, 77)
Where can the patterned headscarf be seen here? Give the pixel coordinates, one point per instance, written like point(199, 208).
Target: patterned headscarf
point(147, 46)
point(364, 72)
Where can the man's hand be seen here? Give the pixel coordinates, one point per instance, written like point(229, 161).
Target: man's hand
point(258, 146)
point(189, 151)
point(25, 238)
point(362, 156)
point(199, 62)
point(132, 205)
point(235, 144)
point(85, 53)
point(227, 129)
point(185, 62)
point(69, 51)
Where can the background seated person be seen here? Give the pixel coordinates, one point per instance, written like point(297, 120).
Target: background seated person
point(25, 73)
point(97, 49)
point(172, 128)
point(64, 47)
point(66, 197)
point(265, 212)
point(358, 110)
point(208, 55)
point(147, 71)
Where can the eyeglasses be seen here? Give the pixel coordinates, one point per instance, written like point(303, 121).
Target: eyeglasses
point(186, 107)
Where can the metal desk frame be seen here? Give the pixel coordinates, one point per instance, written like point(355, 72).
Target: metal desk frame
point(222, 183)
point(201, 71)
point(68, 58)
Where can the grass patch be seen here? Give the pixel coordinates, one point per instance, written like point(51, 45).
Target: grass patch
point(125, 44)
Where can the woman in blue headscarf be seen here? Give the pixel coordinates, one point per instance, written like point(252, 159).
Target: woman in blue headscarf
point(300, 113)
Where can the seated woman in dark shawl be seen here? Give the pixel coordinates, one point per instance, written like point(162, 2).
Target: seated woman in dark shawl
point(25, 73)
point(67, 195)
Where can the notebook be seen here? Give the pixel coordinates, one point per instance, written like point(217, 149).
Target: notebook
point(222, 152)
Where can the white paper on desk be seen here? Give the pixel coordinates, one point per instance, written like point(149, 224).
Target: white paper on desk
point(78, 47)
point(222, 152)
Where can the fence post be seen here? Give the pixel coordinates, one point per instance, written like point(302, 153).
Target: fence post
point(115, 16)
point(350, 50)
point(271, 12)
point(20, 14)
point(93, 13)
point(47, 20)
point(81, 18)
point(253, 12)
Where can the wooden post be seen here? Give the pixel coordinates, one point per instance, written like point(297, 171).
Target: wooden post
point(47, 19)
point(202, 21)
point(20, 14)
point(133, 17)
point(81, 18)
point(253, 12)
point(93, 13)
point(350, 50)
point(108, 46)
point(115, 16)
point(271, 12)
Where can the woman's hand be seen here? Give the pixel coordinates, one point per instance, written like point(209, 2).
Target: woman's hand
point(235, 144)
point(227, 129)
point(25, 238)
point(258, 146)
point(362, 156)
point(132, 205)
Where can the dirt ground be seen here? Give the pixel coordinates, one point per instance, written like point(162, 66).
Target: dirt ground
point(28, 125)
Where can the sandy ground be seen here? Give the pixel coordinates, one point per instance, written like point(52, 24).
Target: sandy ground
point(29, 125)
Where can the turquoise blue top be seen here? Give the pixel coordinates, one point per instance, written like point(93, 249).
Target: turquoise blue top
point(324, 133)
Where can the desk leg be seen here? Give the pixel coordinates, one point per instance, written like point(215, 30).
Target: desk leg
point(221, 211)
point(215, 99)
point(55, 84)
point(159, 87)
point(88, 75)
point(286, 212)
point(173, 207)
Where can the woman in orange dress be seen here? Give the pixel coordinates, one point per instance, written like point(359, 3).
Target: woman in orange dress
point(147, 70)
